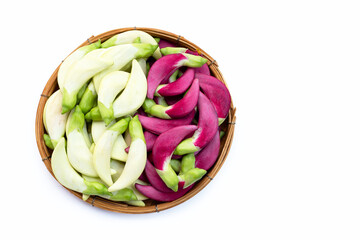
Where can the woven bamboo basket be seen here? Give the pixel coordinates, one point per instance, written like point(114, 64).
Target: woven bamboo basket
point(151, 205)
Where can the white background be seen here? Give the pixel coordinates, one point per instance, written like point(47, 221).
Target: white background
point(292, 67)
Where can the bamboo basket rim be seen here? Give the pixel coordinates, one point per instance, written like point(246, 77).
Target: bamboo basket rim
point(152, 206)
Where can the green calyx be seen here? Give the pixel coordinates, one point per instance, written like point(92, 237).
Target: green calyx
point(162, 102)
point(135, 129)
point(110, 42)
point(185, 147)
point(147, 68)
point(48, 142)
point(94, 114)
point(91, 47)
point(176, 165)
point(81, 92)
point(221, 120)
point(194, 61)
point(192, 176)
point(222, 133)
point(172, 50)
point(95, 188)
point(148, 103)
point(160, 111)
point(88, 99)
point(107, 114)
point(137, 40)
point(145, 50)
point(174, 76)
point(77, 120)
point(170, 178)
point(127, 67)
point(187, 163)
point(188, 173)
point(137, 203)
point(121, 125)
point(124, 194)
point(68, 101)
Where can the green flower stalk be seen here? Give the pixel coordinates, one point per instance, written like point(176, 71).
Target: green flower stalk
point(148, 104)
point(176, 165)
point(88, 99)
point(174, 76)
point(186, 146)
point(172, 50)
point(137, 203)
point(142, 62)
point(124, 194)
point(189, 174)
point(137, 40)
point(94, 114)
point(161, 101)
point(187, 162)
point(222, 133)
point(48, 142)
point(81, 93)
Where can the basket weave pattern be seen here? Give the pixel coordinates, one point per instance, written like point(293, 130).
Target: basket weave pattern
point(151, 205)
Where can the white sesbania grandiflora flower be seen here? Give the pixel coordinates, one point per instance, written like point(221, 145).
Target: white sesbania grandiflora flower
point(54, 121)
point(85, 133)
point(134, 93)
point(119, 168)
point(118, 150)
point(68, 177)
point(78, 150)
point(72, 59)
point(103, 149)
point(130, 37)
point(82, 71)
point(136, 160)
point(111, 85)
